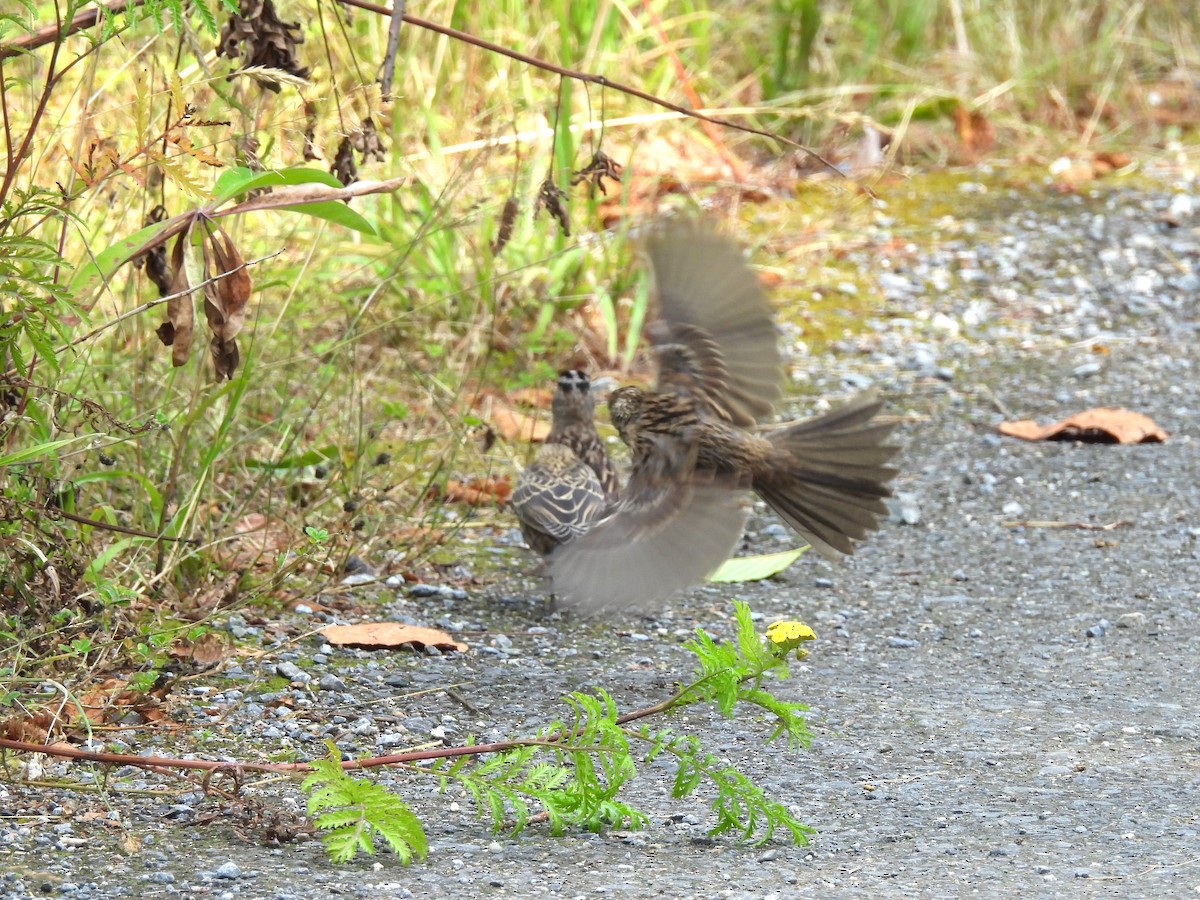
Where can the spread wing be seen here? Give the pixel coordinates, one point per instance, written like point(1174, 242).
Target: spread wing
point(662, 537)
point(715, 337)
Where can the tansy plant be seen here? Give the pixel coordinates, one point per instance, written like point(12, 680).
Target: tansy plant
point(571, 773)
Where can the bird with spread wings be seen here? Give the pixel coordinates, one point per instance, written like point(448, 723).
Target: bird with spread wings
point(695, 447)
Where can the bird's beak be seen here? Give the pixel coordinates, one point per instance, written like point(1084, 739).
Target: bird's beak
point(602, 387)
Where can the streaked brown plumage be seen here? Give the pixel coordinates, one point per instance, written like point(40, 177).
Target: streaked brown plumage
point(556, 498)
point(573, 424)
point(680, 515)
point(571, 480)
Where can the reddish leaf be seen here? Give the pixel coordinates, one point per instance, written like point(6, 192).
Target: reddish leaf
point(1093, 426)
point(390, 635)
point(479, 491)
point(513, 425)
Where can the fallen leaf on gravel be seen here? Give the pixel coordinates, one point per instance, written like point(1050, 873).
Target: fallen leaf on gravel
point(755, 568)
point(1092, 426)
point(390, 635)
point(206, 651)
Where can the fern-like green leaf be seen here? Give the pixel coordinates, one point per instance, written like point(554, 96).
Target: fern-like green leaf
point(351, 811)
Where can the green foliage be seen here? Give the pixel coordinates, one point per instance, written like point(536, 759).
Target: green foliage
point(740, 805)
point(154, 9)
point(352, 812)
point(794, 25)
point(575, 769)
point(33, 304)
point(733, 673)
point(589, 763)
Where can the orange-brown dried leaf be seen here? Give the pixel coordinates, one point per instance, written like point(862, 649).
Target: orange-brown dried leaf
point(390, 635)
point(974, 132)
point(212, 598)
point(1104, 425)
point(479, 491)
point(513, 425)
point(1110, 160)
point(111, 699)
point(33, 729)
point(203, 156)
point(420, 535)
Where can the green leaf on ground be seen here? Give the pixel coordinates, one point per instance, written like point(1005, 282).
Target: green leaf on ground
point(755, 568)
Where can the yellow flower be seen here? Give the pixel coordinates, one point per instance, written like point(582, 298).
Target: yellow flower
point(788, 636)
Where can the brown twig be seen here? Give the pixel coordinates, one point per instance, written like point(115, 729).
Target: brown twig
point(66, 751)
point(121, 529)
point(1082, 526)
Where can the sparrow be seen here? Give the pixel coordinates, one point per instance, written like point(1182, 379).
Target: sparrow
point(571, 480)
point(695, 448)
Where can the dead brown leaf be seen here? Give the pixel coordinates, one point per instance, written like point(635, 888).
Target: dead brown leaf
point(176, 332)
point(221, 594)
point(390, 635)
point(33, 729)
point(974, 132)
point(539, 398)
point(513, 425)
point(479, 491)
point(204, 652)
point(1104, 425)
point(111, 700)
point(225, 299)
point(257, 540)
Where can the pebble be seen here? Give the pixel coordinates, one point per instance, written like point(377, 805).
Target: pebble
point(292, 672)
point(330, 682)
point(904, 508)
point(1100, 629)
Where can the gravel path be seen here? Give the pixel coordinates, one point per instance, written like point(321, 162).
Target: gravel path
point(997, 709)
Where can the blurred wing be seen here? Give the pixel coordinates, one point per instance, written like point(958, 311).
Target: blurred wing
point(563, 505)
point(715, 336)
point(654, 544)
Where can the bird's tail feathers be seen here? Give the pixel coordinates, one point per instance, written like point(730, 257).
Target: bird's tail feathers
point(829, 478)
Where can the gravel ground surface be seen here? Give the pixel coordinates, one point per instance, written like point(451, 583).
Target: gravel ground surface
point(998, 708)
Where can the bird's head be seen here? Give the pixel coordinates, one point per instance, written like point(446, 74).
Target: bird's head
point(624, 407)
point(573, 401)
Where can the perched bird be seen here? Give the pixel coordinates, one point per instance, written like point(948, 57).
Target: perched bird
point(694, 448)
point(571, 480)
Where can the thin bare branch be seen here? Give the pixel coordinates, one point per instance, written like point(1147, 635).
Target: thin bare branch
point(589, 78)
